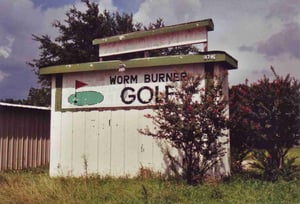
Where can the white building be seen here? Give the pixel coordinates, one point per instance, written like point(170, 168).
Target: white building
point(98, 107)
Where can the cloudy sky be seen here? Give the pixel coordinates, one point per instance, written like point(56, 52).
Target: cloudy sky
point(258, 33)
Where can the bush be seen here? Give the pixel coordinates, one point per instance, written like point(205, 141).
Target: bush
point(267, 117)
point(192, 121)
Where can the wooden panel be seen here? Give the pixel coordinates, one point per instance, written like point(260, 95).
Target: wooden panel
point(131, 142)
point(104, 143)
point(117, 143)
point(145, 142)
point(55, 135)
point(79, 154)
point(163, 40)
point(91, 141)
point(66, 146)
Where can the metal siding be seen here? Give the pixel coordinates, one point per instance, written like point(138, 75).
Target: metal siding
point(22, 132)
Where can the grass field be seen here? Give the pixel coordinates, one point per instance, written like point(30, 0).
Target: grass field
point(37, 187)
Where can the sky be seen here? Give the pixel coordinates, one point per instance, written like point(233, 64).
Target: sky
point(258, 33)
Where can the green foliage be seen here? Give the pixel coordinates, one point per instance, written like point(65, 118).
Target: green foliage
point(74, 42)
point(266, 117)
point(192, 120)
point(76, 33)
point(288, 171)
point(39, 96)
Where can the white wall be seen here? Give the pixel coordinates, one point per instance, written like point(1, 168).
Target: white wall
point(107, 140)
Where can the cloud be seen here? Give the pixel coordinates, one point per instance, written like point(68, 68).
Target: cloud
point(125, 6)
point(108, 5)
point(19, 19)
point(50, 15)
point(3, 75)
point(284, 10)
point(284, 42)
point(246, 48)
point(171, 11)
point(5, 50)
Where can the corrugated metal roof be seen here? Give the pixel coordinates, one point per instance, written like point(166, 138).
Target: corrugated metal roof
point(24, 106)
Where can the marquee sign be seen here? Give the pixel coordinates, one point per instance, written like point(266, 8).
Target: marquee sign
point(106, 89)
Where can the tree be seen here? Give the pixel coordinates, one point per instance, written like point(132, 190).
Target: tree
point(76, 33)
point(192, 126)
point(272, 122)
point(276, 108)
point(242, 126)
point(74, 43)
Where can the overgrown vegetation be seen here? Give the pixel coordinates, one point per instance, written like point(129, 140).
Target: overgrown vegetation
point(37, 187)
point(265, 120)
point(193, 120)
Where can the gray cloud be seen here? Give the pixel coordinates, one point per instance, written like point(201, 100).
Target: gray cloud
point(284, 42)
point(284, 10)
point(246, 48)
point(18, 20)
point(262, 72)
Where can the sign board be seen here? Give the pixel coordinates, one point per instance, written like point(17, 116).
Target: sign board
point(169, 36)
point(111, 88)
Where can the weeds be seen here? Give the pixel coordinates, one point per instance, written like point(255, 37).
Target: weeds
point(35, 186)
point(38, 187)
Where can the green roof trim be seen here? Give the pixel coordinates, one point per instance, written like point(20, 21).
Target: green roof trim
point(204, 57)
point(207, 23)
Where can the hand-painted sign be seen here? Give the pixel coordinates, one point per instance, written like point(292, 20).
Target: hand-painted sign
point(84, 98)
point(79, 84)
point(120, 89)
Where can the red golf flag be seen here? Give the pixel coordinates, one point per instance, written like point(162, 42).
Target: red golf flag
point(79, 84)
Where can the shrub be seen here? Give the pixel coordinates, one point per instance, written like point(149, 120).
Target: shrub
point(192, 121)
point(267, 118)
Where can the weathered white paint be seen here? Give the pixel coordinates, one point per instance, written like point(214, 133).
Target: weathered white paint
point(102, 82)
point(66, 142)
point(79, 144)
point(92, 137)
point(104, 143)
point(109, 141)
point(103, 137)
point(55, 136)
point(163, 40)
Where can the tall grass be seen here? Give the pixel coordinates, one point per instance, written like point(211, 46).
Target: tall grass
point(38, 187)
point(35, 186)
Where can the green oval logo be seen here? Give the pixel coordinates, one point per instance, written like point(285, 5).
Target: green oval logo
point(86, 98)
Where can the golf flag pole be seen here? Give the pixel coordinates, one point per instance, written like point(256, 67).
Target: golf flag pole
point(78, 84)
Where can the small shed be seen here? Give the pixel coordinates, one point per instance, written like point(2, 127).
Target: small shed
point(98, 107)
point(24, 136)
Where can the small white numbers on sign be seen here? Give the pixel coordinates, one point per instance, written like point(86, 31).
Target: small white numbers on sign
point(209, 57)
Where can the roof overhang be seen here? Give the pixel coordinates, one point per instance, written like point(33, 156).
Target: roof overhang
point(175, 60)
